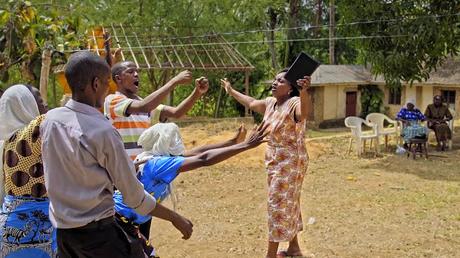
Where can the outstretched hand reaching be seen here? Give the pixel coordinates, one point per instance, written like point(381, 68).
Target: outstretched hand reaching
point(258, 134)
point(225, 83)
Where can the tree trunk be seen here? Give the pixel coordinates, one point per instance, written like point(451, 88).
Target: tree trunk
point(273, 18)
point(141, 5)
point(218, 103)
point(293, 21)
point(319, 14)
point(44, 74)
point(331, 32)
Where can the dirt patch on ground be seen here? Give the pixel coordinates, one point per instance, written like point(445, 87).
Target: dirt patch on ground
point(388, 206)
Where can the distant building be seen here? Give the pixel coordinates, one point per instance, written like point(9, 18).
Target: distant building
point(335, 91)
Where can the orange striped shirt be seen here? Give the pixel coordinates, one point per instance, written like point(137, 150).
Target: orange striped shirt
point(131, 126)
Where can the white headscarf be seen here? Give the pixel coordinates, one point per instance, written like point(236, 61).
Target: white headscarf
point(411, 100)
point(18, 108)
point(162, 139)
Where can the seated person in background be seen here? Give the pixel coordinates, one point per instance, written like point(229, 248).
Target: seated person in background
point(411, 117)
point(164, 157)
point(437, 115)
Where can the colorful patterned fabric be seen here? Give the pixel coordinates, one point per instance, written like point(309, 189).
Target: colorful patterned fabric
point(25, 228)
point(130, 126)
point(156, 176)
point(286, 160)
point(415, 130)
point(22, 162)
point(410, 115)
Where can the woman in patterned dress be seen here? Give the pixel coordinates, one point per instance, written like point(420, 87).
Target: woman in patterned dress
point(286, 158)
point(25, 229)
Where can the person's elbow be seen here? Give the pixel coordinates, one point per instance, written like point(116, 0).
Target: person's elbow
point(138, 107)
point(142, 203)
point(176, 114)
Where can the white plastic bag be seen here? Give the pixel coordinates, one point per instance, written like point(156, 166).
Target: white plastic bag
point(400, 150)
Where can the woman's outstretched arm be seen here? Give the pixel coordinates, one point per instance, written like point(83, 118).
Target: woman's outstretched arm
point(248, 101)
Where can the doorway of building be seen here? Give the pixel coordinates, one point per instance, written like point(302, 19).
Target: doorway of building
point(449, 97)
point(350, 103)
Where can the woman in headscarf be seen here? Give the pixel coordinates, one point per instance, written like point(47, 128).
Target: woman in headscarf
point(411, 117)
point(438, 115)
point(164, 157)
point(25, 229)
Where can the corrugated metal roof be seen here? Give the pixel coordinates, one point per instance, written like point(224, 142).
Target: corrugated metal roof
point(447, 74)
point(341, 74)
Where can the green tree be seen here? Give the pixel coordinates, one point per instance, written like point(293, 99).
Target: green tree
point(25, 33)
point(417, 35)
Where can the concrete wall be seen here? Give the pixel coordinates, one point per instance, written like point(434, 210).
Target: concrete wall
point(423, 95)
point(318, 102)
point(335, 96)
point(330, 102)
point(427, 97)
point(391, 110)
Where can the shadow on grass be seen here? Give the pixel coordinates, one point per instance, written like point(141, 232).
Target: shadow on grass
point(444, 166)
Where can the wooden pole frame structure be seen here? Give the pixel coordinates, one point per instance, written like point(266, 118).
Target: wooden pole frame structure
point(211, 52)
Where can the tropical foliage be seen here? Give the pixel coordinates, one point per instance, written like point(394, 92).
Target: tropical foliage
point(401, 39)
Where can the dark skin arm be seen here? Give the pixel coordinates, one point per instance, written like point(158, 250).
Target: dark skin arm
point(154, 99)
point(239, 137)
point(248, 101)
point(215, 156)
point(182, 224)
point(201, 87)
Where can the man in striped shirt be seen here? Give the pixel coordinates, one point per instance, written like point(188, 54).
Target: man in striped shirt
point(131, 115)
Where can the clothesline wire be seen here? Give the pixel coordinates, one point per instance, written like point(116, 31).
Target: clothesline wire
point(305, 27)
point(258, 42)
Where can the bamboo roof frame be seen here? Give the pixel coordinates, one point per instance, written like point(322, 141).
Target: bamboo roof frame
point(211, 52)
point(167, 54)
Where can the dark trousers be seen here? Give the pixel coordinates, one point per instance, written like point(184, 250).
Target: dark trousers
point(104, 238)
point(145, 228)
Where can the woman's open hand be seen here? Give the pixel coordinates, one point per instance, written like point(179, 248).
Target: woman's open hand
point(225, 83)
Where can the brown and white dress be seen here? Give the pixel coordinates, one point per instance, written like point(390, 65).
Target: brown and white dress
point(286, 161)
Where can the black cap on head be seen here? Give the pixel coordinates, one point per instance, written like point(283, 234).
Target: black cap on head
point(82, 68)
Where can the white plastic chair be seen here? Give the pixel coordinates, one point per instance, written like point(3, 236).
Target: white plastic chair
point(451, 126)
point(379, 120)
point(355, 124)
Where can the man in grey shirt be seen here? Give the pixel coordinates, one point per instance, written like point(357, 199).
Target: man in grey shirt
point(84, 159)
